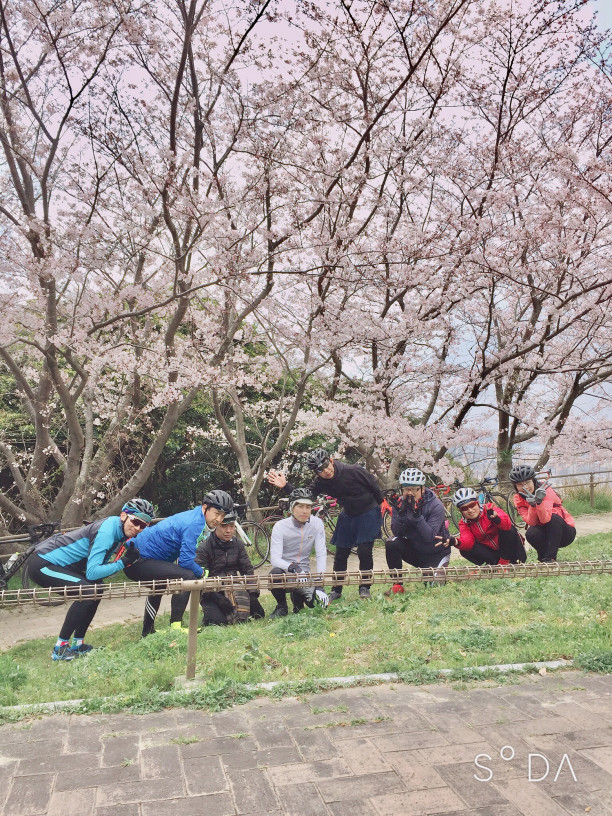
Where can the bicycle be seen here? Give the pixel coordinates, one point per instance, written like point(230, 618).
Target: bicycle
point(37, 533)
point(253, 536)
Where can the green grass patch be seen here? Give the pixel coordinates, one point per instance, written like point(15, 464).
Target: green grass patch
point(577, 500)
point(455, 626)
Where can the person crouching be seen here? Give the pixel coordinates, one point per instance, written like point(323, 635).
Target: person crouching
point(292, 541)
point(486, 533)
point(219, 554)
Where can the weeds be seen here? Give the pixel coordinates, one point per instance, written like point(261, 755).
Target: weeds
point(459, 625)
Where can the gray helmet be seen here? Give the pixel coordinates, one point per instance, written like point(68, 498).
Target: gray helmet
point(141, 508)
point(522, 473)
point(301, 494)
point(230, 518)
point(465, 495)
point(219, 499)
point(318, 459)
point(412, 477)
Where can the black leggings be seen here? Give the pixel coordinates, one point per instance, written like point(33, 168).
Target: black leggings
point(547, 539)
point(400, 549)
point(510, 549)
point(81, 613)
point(299, 596)
point(213, 616)
point(149, 569)
point(366, 561)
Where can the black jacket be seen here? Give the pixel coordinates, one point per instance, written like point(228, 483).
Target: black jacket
point(224, 558)
point(355, 488)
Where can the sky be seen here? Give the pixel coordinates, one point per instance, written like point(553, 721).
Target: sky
point(604, 12)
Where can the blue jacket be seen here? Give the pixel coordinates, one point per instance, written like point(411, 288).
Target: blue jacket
point(91, 549)
point(175, 537)
point(422, 529)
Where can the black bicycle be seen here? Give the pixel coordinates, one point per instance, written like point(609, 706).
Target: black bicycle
point(37, 533)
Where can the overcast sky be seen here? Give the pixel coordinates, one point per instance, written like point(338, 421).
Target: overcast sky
point(604, 12)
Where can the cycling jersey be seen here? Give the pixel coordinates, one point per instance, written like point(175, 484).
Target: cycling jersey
point(91, 549)
point(175, 537)
point(293, 542)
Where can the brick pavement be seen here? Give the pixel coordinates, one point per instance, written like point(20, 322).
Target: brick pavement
point(373, 751)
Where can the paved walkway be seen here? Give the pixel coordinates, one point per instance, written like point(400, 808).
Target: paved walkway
point(376, 751)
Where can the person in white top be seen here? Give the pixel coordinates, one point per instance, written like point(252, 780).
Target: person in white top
point(293, 539)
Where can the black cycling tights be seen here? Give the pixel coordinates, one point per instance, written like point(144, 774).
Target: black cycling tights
point(81, 613)
point(510, 548)
point(366, 560)
point(547, 539)
point(149, 569)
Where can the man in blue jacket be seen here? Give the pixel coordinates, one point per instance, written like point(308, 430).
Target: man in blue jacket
point(417, 519)
point(175, 539)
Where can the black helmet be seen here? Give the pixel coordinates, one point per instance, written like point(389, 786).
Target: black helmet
point(318, 459)
point(522, 473)
point(300, 494)
point(141, 508)
point(219, 499)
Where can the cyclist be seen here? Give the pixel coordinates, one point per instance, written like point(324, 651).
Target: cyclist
point(486, 534)
point(549, 525)
point(358, 524)
point(219, 554)
point(80, 560)
point(417, 521)
point(175, 539)
point(292, 541)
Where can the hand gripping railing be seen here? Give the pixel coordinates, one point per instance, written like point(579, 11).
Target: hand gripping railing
point(469, 572)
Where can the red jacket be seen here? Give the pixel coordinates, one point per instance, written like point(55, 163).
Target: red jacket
point(542, 513)
point(482, 529)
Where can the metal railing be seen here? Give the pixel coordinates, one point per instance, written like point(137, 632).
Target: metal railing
point(23, 597)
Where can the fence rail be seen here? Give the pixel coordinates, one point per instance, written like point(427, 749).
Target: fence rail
point(107, 592)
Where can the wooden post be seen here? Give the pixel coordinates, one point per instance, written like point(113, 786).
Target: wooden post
point(592, 489)
point(192, 643)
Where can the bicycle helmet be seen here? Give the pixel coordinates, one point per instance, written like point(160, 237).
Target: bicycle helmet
point(301, 495)
point(230, 518)
point(219, 499)
point(412, 477)
point(465, 495)
point(522, 473)
point(318, 459)
point(141, 508)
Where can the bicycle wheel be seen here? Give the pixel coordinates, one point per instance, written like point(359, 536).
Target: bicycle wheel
point(256, 542)
point(507, 505)
point(454, 517)
point(330, 527)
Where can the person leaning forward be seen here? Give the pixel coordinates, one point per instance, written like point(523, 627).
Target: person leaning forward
point(359, 496)
point(175, 540)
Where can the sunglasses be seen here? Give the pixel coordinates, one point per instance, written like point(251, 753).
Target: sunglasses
point(139, 523)
point(470, 506)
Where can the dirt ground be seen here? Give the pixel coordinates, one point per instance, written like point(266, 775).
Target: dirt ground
point(29, 622)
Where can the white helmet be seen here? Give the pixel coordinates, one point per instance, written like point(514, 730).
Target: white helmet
point(464, 495)
point(412, 477)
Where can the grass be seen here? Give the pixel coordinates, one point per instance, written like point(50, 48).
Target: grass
point(577, 500)
point(456, 626)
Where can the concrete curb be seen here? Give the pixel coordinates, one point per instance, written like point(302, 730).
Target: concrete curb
point(187, 686)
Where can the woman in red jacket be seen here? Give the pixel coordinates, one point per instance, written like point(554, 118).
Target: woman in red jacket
point(486, 534)
point(550, 526)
